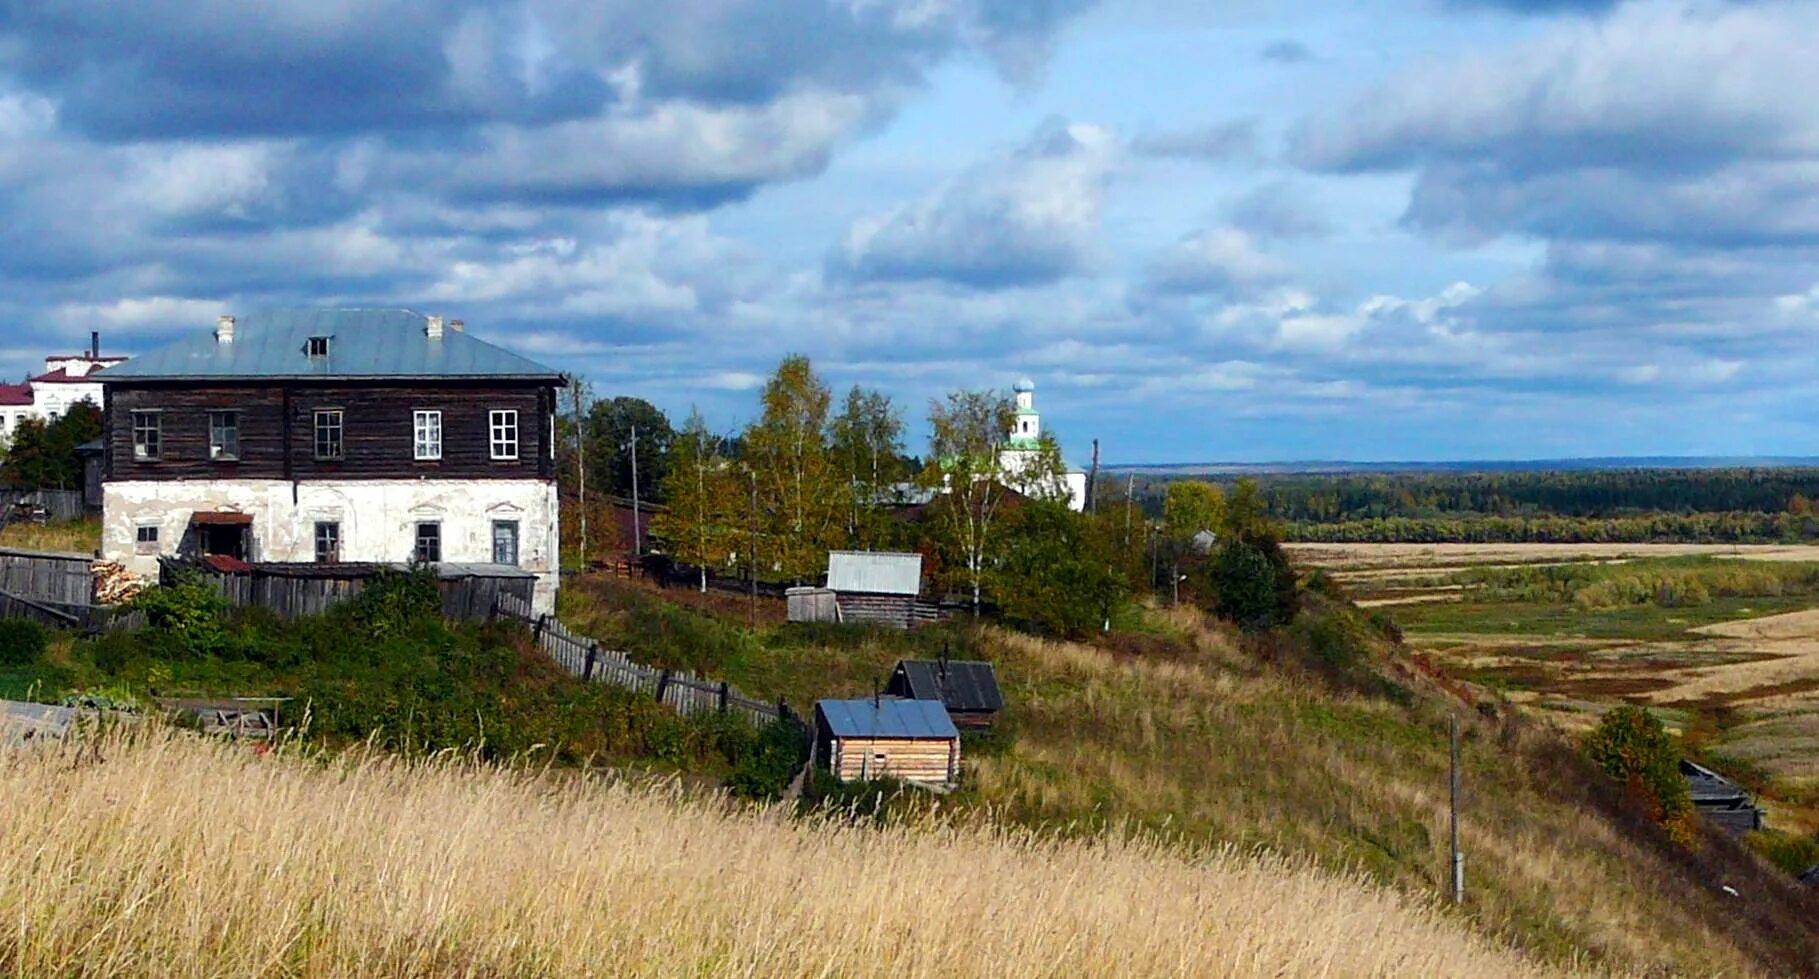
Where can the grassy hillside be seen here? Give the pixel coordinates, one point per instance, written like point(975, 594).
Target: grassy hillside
point(1220, 740)
point(370, 865)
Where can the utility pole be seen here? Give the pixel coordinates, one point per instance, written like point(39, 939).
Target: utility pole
point(637, 517)
point(752, 572)
point(581, 461)
point(1092, 482)
point(1458, 860)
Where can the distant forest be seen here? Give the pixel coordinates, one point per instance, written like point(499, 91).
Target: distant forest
point(1715, 505)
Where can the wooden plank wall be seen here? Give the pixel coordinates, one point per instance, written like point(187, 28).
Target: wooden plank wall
point(685, 692)
point(291, 596)
point(63, 504)
point(62, 579)
point(925, 761)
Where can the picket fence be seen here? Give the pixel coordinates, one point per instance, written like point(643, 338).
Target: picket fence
point(688, 694)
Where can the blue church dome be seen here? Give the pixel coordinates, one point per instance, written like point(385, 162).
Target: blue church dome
point(1024, 385)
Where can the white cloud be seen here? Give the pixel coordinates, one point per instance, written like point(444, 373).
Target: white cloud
point(1026, 218)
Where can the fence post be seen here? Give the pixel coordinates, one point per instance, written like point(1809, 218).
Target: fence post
point(723, 693)
point(593, 650)
point(537, 630)
point(662, 683)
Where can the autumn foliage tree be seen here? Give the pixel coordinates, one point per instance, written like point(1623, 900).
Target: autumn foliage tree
point(802, 495)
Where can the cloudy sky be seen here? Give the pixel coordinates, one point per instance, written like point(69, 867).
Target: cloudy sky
point(1404, 229)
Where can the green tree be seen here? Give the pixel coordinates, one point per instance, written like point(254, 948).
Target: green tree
point(966, 434)
point(700, 527)
point(609, 454)
point(1055, 576)
point(1190, 507)
point(868, 449)
point(1244, 582)
point(43, 455)
point(1247, 515)
point(802, 497)
point(1632, 746)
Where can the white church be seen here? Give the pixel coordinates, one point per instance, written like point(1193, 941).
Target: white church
point(1020, 454)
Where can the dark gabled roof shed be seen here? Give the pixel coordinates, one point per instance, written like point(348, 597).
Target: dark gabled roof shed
point(960, 685)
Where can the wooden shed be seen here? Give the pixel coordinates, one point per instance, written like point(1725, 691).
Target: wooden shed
point(887, 737)
point(1719, 799)
point(879, 587)
point(967, 688)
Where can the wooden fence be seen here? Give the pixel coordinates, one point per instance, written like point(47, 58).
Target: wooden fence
point(61, 504)
point(42, 576)
point(689, 694)
point(292, 591)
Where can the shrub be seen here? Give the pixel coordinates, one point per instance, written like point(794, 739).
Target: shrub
point(1632, 747)
point(187, 614)
point(1254, 583)
point(22, 642)
point(766, 766)
point(395, 602)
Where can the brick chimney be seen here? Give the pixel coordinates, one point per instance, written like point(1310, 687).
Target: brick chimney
point(434, 329)
point(224, 329)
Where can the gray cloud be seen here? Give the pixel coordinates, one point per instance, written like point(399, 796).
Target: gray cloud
point(1287, 52)
point(1279, 209)
point(1027, 218)
point(1234, 141)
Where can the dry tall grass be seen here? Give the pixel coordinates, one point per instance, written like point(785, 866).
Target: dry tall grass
point(75, 537)
point(1212, 745)
point(168, 855)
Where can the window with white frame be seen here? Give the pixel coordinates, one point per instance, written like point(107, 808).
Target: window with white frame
point(146, 436)
point(429, 543)
point(428, 441)
point(329, 423)
point(224, 435)
point(505, 542)
point(328, 541)
point(504, 434)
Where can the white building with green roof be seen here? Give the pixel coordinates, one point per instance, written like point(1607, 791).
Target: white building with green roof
point(1020, 455)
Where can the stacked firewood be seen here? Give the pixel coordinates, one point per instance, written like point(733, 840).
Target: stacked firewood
point(114, 584)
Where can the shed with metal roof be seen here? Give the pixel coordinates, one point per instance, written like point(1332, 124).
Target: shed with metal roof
point(888, 737)
point(967, 688)
point(879, 587)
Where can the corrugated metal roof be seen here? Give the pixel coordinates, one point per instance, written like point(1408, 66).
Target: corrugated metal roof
point(875, 572)
point(21, 722)
point(886, 717)
point(364, 343)
point(969, 685)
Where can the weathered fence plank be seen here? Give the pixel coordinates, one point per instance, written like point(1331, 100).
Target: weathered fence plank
point(45, 576)
point(682, 691)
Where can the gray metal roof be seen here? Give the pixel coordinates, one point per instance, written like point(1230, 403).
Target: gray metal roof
point(874, 572)
point(959, 684)
point(886, 717)
point(364, 343)
point(21, 722)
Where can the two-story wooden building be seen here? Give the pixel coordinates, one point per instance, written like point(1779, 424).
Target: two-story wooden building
point(333, 436)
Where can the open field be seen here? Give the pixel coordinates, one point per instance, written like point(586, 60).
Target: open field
point(1538, 622)
point(370, 865)
point(1411, 556)
point(75, 537)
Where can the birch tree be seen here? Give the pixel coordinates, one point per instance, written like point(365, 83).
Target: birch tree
point(966, 434)
point(801, 495)
point(700, 526)
point(868, 449)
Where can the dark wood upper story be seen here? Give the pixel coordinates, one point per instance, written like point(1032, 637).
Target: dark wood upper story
point(275, 424)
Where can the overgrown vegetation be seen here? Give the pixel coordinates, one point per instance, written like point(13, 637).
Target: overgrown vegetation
point(1632, 747)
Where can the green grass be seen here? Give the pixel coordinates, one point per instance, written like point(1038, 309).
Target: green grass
point(1640, 622)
